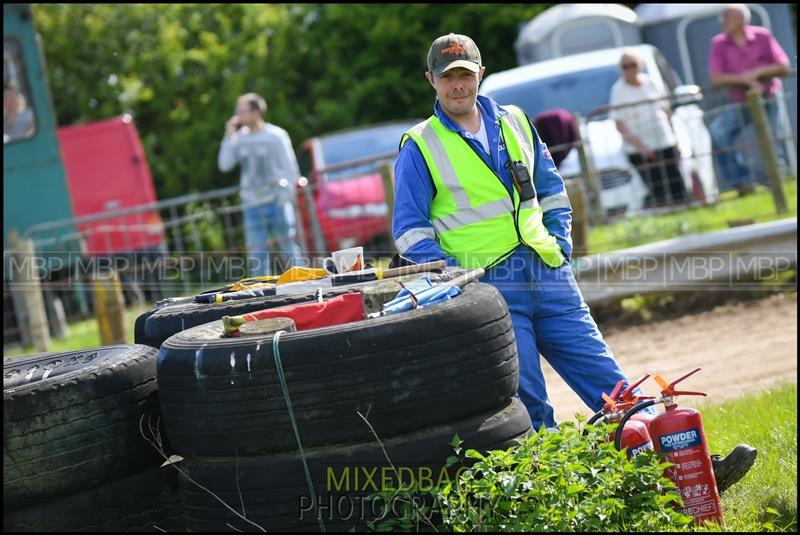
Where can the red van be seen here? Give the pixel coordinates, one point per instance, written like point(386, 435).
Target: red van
point(107, 170)
point(348, 199)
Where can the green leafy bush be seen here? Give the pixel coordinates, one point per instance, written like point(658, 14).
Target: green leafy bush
point(564, 481)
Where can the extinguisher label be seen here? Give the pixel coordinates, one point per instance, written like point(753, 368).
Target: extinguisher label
point(641, 448)
point(681, 440)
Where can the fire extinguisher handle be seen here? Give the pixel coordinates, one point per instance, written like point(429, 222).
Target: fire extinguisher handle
point(679, 379)
point(628, 393)
point(617, 389)
point(688, 393)
point(668, 389)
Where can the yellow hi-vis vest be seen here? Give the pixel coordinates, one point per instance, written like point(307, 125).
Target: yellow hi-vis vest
point(476, 221)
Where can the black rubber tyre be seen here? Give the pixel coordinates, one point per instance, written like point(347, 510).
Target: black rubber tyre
point(166, 321)
point(71, 420)
point(275, 495)
point(135, 503)
point(406, 371)
point(139, 336)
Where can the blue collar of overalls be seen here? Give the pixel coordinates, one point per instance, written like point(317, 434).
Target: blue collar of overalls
point(488, 108)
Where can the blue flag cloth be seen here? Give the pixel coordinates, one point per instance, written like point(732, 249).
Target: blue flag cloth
point(424, 291)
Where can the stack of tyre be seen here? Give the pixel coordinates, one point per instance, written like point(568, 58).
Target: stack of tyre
point(76, 451)
point(394, 389)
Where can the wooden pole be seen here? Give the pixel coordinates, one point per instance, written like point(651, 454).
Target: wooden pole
point(316, 229)
point(761, 125)
point(110, 309)
point(576, 191)
point(29, 285)
point(589, 174)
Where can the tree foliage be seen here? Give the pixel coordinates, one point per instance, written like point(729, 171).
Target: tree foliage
point(178, 68)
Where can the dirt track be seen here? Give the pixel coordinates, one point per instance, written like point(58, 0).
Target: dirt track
point(741, 347)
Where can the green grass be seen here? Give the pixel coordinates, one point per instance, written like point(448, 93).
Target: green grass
point(86, 333)
point(766, 498)
point(758, 207)
point(83, 334)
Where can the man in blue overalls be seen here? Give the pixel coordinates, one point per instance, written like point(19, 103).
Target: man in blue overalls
point(475, 185)
point(531, 272)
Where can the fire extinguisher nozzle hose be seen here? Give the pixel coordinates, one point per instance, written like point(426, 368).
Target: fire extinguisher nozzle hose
point(599, 415)
point(624, 420)
point(596, 416)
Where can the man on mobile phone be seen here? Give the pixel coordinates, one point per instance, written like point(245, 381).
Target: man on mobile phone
point(269, 172)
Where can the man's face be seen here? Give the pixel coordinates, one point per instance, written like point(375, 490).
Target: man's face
point(457, 90)
point(732, 21)
point(246, 114)
point(10, 102)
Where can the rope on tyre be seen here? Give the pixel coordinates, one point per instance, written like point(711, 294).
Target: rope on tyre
point(282, 379)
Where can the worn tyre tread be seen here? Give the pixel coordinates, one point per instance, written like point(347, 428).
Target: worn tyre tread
point(134, 503)
point(74, 431)
point(480, 374)
point(184, 397)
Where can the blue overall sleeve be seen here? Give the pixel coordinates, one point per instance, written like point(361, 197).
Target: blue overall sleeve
point(552, 197)
point(414, 235)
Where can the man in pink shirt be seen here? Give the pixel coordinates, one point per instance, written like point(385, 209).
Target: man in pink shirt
point(744, 57)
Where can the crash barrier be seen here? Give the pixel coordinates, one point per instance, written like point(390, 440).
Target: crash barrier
point(733, 259)
point(720, 146)
point(74, 457)
point(413, 380)
point(725, 260)
point(382, 395)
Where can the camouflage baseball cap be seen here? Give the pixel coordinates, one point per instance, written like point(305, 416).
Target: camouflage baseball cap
point(451, 51)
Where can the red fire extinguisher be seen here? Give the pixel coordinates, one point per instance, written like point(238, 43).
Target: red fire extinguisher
point(635, 435)
point(678, 433)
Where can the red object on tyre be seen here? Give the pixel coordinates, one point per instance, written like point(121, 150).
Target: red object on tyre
point(345, 308)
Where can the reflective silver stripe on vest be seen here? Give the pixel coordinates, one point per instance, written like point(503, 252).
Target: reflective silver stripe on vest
point(522, 137)
point(473, 215)
point(445, 168)
point(529, 204)
point(413, 236)
point(559, 200)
